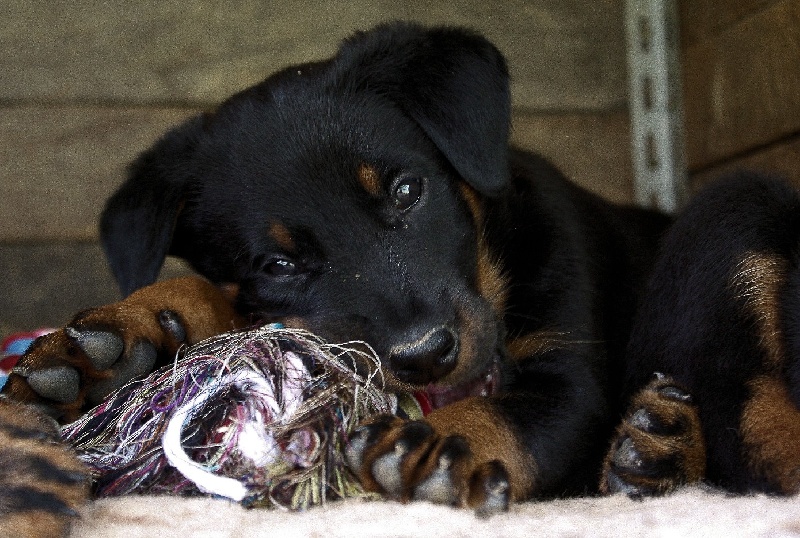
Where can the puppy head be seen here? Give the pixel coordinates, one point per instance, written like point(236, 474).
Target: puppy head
point(344, 196)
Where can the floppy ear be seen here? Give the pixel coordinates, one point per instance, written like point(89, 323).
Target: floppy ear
point(138, 222)
point(452, 82)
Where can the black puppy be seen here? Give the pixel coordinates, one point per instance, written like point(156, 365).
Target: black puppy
point(373, 197)
point(722, 316)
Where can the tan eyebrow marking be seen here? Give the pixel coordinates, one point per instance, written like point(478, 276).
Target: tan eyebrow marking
point(369, 178)
point(281, 234)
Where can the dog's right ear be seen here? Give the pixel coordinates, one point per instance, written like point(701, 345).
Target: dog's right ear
point(138, 222)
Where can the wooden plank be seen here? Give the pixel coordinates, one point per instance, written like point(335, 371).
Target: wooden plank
point(782, 159)
point(563, 53)
point(58, 165)
point(742, 88)
point(702, 19)
point(591, 149)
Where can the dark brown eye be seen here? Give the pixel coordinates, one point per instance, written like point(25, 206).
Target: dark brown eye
point(407, 192)
point(281, 267)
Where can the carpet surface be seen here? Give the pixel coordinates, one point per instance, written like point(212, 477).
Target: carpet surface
point(692, 512)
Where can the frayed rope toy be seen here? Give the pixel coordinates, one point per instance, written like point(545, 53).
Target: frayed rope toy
point(261, 417)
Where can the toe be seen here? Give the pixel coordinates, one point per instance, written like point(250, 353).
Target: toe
point(59, 383)
point(102, 348)
point(387, 469)
point(490, 492)
point(140, 360)
point(626, 456)
point(441, 486)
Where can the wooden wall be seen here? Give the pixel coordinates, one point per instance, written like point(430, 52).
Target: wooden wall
point(741, 69)
point(85, 86)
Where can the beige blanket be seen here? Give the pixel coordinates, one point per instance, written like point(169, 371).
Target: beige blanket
point(691, 512)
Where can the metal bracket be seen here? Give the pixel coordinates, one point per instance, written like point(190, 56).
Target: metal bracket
point(655, 103)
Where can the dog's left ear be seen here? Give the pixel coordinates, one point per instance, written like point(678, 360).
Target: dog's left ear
point(138, 222)
point(452, 82)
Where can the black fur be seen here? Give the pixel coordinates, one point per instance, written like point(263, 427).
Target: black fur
point(434, 105)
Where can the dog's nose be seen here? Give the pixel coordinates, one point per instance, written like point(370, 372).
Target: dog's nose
point(424, 361)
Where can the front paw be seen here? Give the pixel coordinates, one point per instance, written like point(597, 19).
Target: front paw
point(106, 347)
point(409, 460)
point(79, 365)
point(659, 445)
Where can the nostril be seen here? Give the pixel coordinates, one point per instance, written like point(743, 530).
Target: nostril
point(424, 361)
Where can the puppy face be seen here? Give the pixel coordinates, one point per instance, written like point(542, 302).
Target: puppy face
point(336, 213)
point(340, 198)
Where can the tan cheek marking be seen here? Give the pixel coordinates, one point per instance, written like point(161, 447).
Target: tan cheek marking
point(473, 199)
point(282, 236)
point(770, 428)
point(370, 179)
point(492, 283)
point(759, 281)
point(229, 290)
point(295, 322)
point(490, 438)
point(474, 326)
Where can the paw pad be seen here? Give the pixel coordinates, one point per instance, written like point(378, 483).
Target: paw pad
point(60, 383)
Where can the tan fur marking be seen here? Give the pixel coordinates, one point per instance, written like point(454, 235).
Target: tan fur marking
point(473, 200)
point(770, 428)
point(492, 283)
point(759, 282)
point(281, 235)
point(229, 290)
point(369, 178)
point(490, 438)
point(535, 343)
point(473, 329)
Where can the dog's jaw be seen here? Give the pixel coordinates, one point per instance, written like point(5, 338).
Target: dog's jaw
point(435, 396)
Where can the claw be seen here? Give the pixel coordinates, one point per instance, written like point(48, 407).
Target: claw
point(674, 393)
point(101, 347)
point(141, 360)
point(60, 383)
point(617, 485)
point(171, 323)
point(668, 390)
